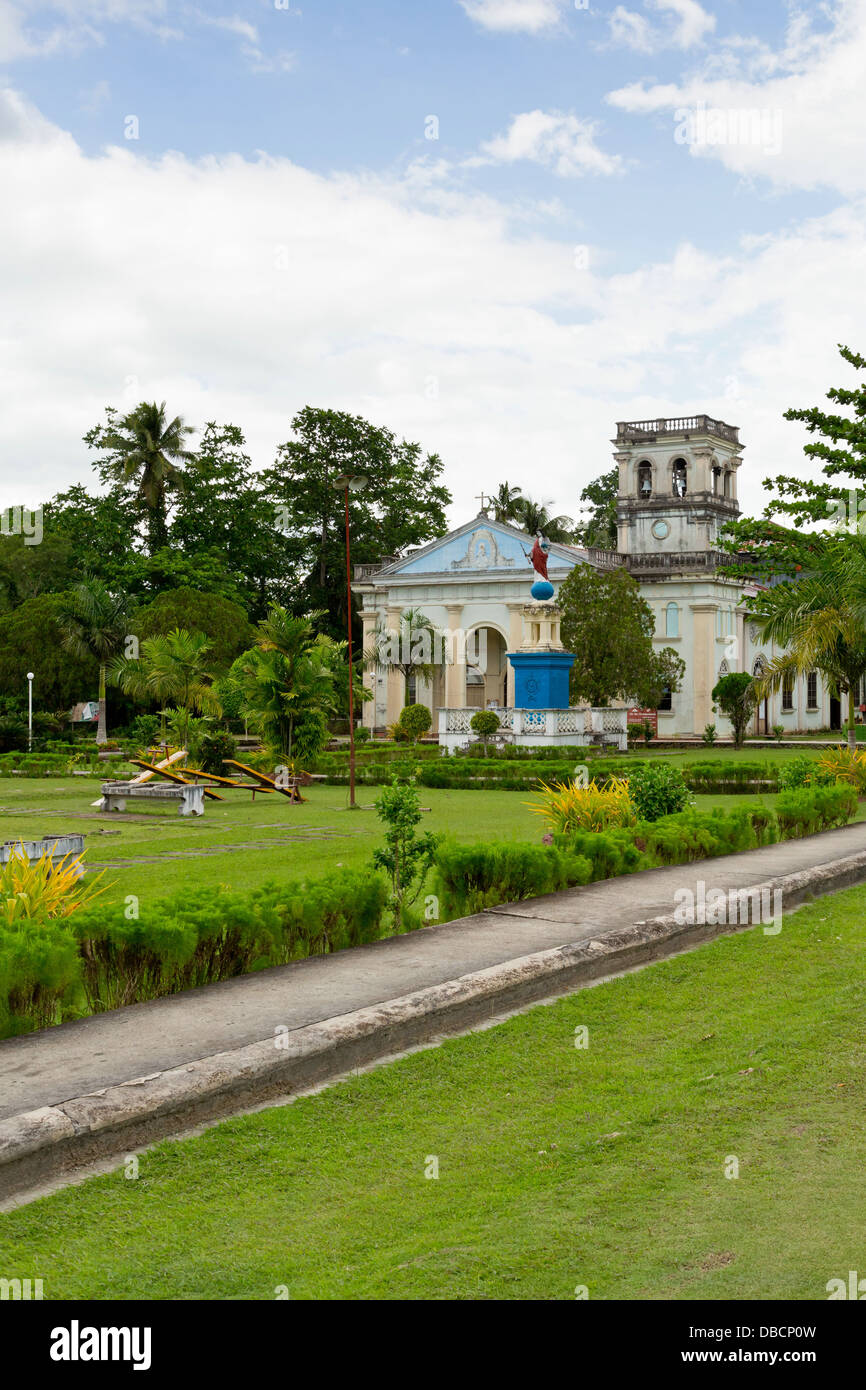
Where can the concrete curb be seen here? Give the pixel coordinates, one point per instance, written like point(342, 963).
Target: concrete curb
point(49, 1143)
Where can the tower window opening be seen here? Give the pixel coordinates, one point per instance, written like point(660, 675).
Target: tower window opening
point(717, 480)
point(727, 483)
point(644, 480)
point(680, 475)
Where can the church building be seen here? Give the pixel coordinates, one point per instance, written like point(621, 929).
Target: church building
point(677, 489)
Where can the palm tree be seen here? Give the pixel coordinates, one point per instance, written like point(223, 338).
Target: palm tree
point(506, 502)
point(820, 621)
point(95, 622)
point(535, 518)
point(416, 647)
point(171, 666)
point(150, 450)
point(290, 682)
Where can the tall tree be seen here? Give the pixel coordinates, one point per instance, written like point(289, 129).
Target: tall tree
point(173, 666)
point(610, 628)
point(95, 622)
point(599, 528)
point(831, 497)
point(146, 449)
point(402, 505)
point(223, 622)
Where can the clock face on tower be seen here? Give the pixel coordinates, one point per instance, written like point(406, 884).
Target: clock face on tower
point(660, 530)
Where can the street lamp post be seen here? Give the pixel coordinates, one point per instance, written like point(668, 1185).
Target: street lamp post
point(29, 711)
point(350, 482)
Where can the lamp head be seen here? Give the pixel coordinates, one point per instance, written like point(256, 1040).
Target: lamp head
point(30, 675)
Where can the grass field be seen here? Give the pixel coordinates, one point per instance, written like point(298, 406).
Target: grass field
point(558, 1166)
point(240, 843)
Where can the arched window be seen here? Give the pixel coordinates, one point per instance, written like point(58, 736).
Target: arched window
point(717, 480)
point(680, 475)
point(727, 482)
point(644, 480)
point(672, 620)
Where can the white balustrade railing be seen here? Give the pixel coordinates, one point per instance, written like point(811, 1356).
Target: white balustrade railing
point(575, 726)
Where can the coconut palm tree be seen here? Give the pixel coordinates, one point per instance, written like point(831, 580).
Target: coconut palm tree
point(149, 450)
point(95, 622)
point(415, 647)
point(535, 518)
point(506, 502)
point(819, 620)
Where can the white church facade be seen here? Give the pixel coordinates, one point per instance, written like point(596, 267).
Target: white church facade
point(677, 488)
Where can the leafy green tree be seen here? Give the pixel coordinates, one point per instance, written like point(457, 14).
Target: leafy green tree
point(831, 496)
point(223, 623)
point(29, 570)
point(599, 529)
point(735, 697)
point(145, 449)
point(95, 622)
point(101, 532)
point(610, 628)
point(415, 720)
point(223, 510)
point(31, 639)
point(402, 505)
point(406, 856)
point(485, 724)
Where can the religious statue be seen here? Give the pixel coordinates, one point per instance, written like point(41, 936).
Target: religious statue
point(538, 556)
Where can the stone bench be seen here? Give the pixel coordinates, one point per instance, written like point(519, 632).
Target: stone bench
point(58, 846)
point(116, 794)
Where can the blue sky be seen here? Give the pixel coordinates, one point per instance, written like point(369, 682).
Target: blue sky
point(282, 231)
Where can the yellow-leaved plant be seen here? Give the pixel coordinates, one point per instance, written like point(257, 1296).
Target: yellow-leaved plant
point(845, 765)
point(568, 806)
point(40, 889)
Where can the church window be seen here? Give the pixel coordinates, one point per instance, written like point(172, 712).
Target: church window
point(672, 620)
point(666, 702)
point(788, 692)
point(812, 690)
point(644, 480)
point(680, 474)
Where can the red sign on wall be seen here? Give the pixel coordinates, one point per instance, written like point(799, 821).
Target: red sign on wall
point(640, 716)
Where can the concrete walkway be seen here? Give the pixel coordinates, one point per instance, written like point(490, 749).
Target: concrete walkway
point(77, 1059)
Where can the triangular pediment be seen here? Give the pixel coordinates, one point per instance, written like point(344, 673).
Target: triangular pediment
point(480, 547)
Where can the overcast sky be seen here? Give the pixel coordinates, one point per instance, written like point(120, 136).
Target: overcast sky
point(496, 226)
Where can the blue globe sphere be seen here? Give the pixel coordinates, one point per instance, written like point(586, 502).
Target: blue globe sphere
point(542, 589)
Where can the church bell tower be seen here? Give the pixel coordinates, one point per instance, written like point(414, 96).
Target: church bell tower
point(677, 484)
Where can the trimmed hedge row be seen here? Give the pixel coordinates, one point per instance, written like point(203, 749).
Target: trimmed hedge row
point(471, 877)
point(100, 959)
point(503, 775)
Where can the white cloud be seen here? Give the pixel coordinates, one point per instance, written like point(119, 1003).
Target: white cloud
point(232, 24)
point(794, 117)
point(404, 299)
point(561, 142)
point(42, 28)
point(515, 16)
point(689, 25)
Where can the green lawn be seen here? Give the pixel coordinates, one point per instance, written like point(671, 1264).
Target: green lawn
point(558, 1166)
point(277, 840)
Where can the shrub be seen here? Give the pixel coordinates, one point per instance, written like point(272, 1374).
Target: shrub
point(779, 732)
point(214, 749)
point(657, 789)
point(709, 734)
point(844, 765)
point(415, 721)
point(567, 806)
point(40, 969)
point(734, 695)
point(468, 878)
point(38, 889)
point(406, 857)
point(362, 734)
point(803, 770)
point(809, 810)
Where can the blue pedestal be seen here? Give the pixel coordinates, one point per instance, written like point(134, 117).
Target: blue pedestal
point(541, 679)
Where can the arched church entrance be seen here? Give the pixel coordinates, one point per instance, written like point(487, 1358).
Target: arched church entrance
point(486, 668)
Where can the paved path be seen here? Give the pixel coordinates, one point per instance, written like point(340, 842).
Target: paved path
point(77, 1058)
